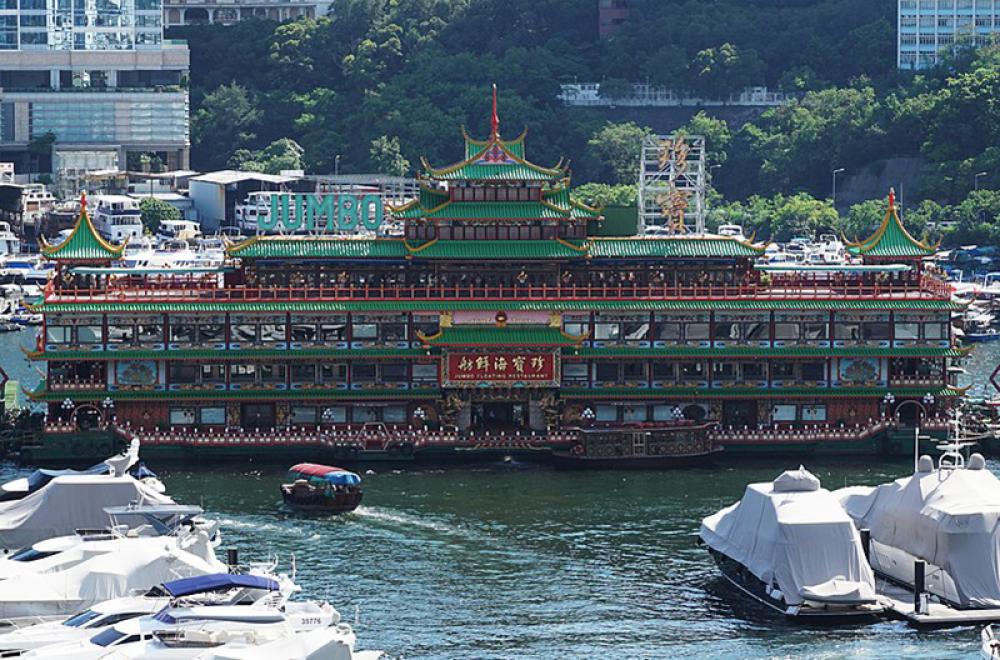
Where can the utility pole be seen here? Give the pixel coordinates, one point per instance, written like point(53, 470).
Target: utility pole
point(834, 195)
point(975, 180)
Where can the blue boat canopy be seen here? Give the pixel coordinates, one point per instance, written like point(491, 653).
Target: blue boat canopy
point(217, 582)
point(332, 475)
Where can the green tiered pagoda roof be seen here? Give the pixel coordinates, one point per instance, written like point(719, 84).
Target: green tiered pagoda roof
point(891, 240)
point(83, 243)
point(436, 205)
point(678, 247)
point(495, 160)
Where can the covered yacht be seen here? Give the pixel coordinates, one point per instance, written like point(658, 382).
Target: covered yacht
point(947, 516)
point(789, 545)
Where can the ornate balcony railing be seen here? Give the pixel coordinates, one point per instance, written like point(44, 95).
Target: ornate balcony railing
point(402, 439)
point(168, 290)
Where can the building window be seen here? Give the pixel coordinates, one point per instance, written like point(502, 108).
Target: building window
point(425, 373)
point(783, 413)
point(213, 416)
point(363, 372)
point(335, 415)
point(304, 374)
point(606, 413)
point(303, 415)
point(394, 414)
point(606, 372)
point(814, 413)
point(182, 373)
point(58, 334)
point(574, 372)
point(333, 373)
point(182, 416)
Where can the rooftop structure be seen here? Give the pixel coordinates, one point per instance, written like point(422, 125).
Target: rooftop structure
point(229, 12)
point(498, 322)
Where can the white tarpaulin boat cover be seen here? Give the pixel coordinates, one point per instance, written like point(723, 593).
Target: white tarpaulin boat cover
point(794, 535)
point(94, 571)
point(69, 503)
point(948, 517)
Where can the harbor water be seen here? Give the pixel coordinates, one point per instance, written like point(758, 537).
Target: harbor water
point(520, 561)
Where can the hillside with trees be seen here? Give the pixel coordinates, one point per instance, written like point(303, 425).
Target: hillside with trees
point(379, 84)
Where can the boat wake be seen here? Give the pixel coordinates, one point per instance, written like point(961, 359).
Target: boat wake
point(406, 522)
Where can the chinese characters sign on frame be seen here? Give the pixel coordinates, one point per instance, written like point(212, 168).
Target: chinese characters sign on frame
point(507, 369)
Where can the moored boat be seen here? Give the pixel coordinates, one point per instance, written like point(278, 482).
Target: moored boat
point(315, 487)
point(947, 517)
point(678, 445)
point(790, 546)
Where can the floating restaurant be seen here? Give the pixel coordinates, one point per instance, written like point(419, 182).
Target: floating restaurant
point(498, 322)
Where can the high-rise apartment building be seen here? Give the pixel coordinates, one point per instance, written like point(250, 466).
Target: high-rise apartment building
point(928, 27)
point(99, 77)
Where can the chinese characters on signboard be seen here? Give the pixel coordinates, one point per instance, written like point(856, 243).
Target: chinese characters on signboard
point(506, 368)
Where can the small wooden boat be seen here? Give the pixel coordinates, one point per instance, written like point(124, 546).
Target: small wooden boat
point(325, 488)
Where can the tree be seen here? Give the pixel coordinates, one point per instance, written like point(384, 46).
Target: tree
point(224, 122)
point(601, 194)
point(615, 88)
point(385, 157)
point(717, 136)
point(282, 154)
point(154, 211)
point(862, 219)
point(619, 147)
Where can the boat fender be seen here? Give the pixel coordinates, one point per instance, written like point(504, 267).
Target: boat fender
point(577, 450)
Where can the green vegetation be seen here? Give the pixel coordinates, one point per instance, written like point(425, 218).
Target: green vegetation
point(154, 211)
point(378, 84)
point(283, 154)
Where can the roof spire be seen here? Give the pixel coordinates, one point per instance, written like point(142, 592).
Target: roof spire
point(495, 119)
point(892, 199)
point(83, 199)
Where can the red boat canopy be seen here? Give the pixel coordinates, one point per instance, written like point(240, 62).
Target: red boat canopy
point(315, 469)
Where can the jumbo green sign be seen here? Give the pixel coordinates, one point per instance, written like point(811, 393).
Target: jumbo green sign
point(298, 212)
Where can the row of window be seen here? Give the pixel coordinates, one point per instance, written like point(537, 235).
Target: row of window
point(931, 5)
point(297, 415)
point(637, 328)
point(626, 329)
point(496, 193)
point(690, 371)
point(631, 413)
point(327, 373)
point(334, 328)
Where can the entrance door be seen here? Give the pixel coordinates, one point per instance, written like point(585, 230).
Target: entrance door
point(739, 413)
point(257, 415)
point(499, 415)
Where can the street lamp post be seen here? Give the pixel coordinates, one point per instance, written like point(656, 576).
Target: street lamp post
point(336, 165)
point(975, 180)
point(889, 399)
point(834, 190)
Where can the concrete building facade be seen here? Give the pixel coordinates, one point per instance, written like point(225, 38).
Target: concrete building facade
point(228, 12)
point(928, 27)
point(99, 77)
